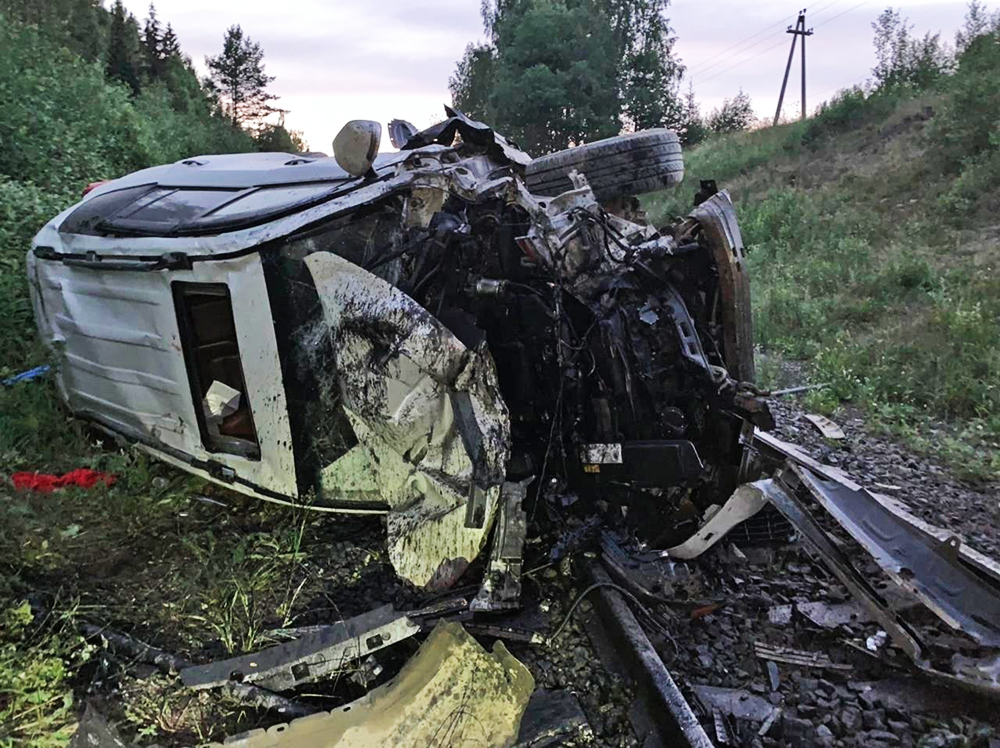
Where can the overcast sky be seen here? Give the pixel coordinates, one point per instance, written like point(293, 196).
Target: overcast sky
point(356, 59)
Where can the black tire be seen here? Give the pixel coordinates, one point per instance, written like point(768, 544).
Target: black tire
point(625, 165)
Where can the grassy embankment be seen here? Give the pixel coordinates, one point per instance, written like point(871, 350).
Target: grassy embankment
point(874, 245)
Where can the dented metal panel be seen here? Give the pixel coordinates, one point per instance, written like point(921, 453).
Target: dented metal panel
point(718, 220)
point(397, 368)
point(121, 363)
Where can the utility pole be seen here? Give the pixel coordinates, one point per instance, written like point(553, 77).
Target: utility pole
point(799, 30)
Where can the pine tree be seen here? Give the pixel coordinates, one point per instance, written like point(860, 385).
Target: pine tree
point(152, 45)
point(238, 74)
point(121, 61)
point(170, 47)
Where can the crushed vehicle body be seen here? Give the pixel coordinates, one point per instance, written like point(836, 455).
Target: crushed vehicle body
point(434, 339)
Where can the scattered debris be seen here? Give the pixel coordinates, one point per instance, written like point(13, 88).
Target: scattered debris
point(93, 731)
point(451, 692)
point(794, 390)
point(46, 483)
point(772, 674)
point(875, 642)
point(766, 727)
point(310, 657)
point(798, 658)
point(830, 616)
point(919, 563)
point(734, 702)
point(780, 615)
point(825, 426)
point(168, 663)
point(28, 375)
point(550, 717)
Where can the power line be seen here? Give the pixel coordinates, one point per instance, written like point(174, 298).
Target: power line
point(780, 44)
point(833, 18)
point(747, 59)
point(701, 67)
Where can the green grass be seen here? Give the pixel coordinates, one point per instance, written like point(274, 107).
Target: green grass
point(860, 272)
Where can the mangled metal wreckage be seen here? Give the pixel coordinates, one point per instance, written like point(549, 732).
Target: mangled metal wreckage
point(410, 339)
point(446, 335)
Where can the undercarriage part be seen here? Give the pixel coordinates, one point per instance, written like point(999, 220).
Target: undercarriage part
point(917, 562)
point(168, 663)
point(664, 702)
point(309, 658)
point(452, 692)
point(624, 165)
point(501, 588)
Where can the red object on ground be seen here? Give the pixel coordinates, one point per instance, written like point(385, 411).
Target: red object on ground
point(45, 483)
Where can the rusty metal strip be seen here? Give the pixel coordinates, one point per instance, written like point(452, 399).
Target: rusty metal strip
point(310, 657)
point(798, 657)
point(917, 562)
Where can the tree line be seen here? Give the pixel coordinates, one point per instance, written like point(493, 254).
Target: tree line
point(148, 58)
point(557, 72)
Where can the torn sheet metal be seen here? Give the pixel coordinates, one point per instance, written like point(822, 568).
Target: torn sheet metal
point(451, 693)
point(310, 657)
point(745, 502)
point(501, 587)
point(397, 369)
point(976, 560)
point(928, 568)
point(94, 731)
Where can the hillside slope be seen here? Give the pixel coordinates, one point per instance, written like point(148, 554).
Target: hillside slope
point(873, 241)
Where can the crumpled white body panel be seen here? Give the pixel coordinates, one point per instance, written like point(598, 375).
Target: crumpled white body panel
point(397, 368)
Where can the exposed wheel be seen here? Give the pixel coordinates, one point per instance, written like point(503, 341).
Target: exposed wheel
point(625, 165)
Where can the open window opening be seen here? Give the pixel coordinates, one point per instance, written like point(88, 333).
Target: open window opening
point(215, 369)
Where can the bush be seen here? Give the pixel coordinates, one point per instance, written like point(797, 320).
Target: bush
point(24, 208)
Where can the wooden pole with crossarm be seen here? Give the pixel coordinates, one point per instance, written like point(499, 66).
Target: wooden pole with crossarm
point(799, 30)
